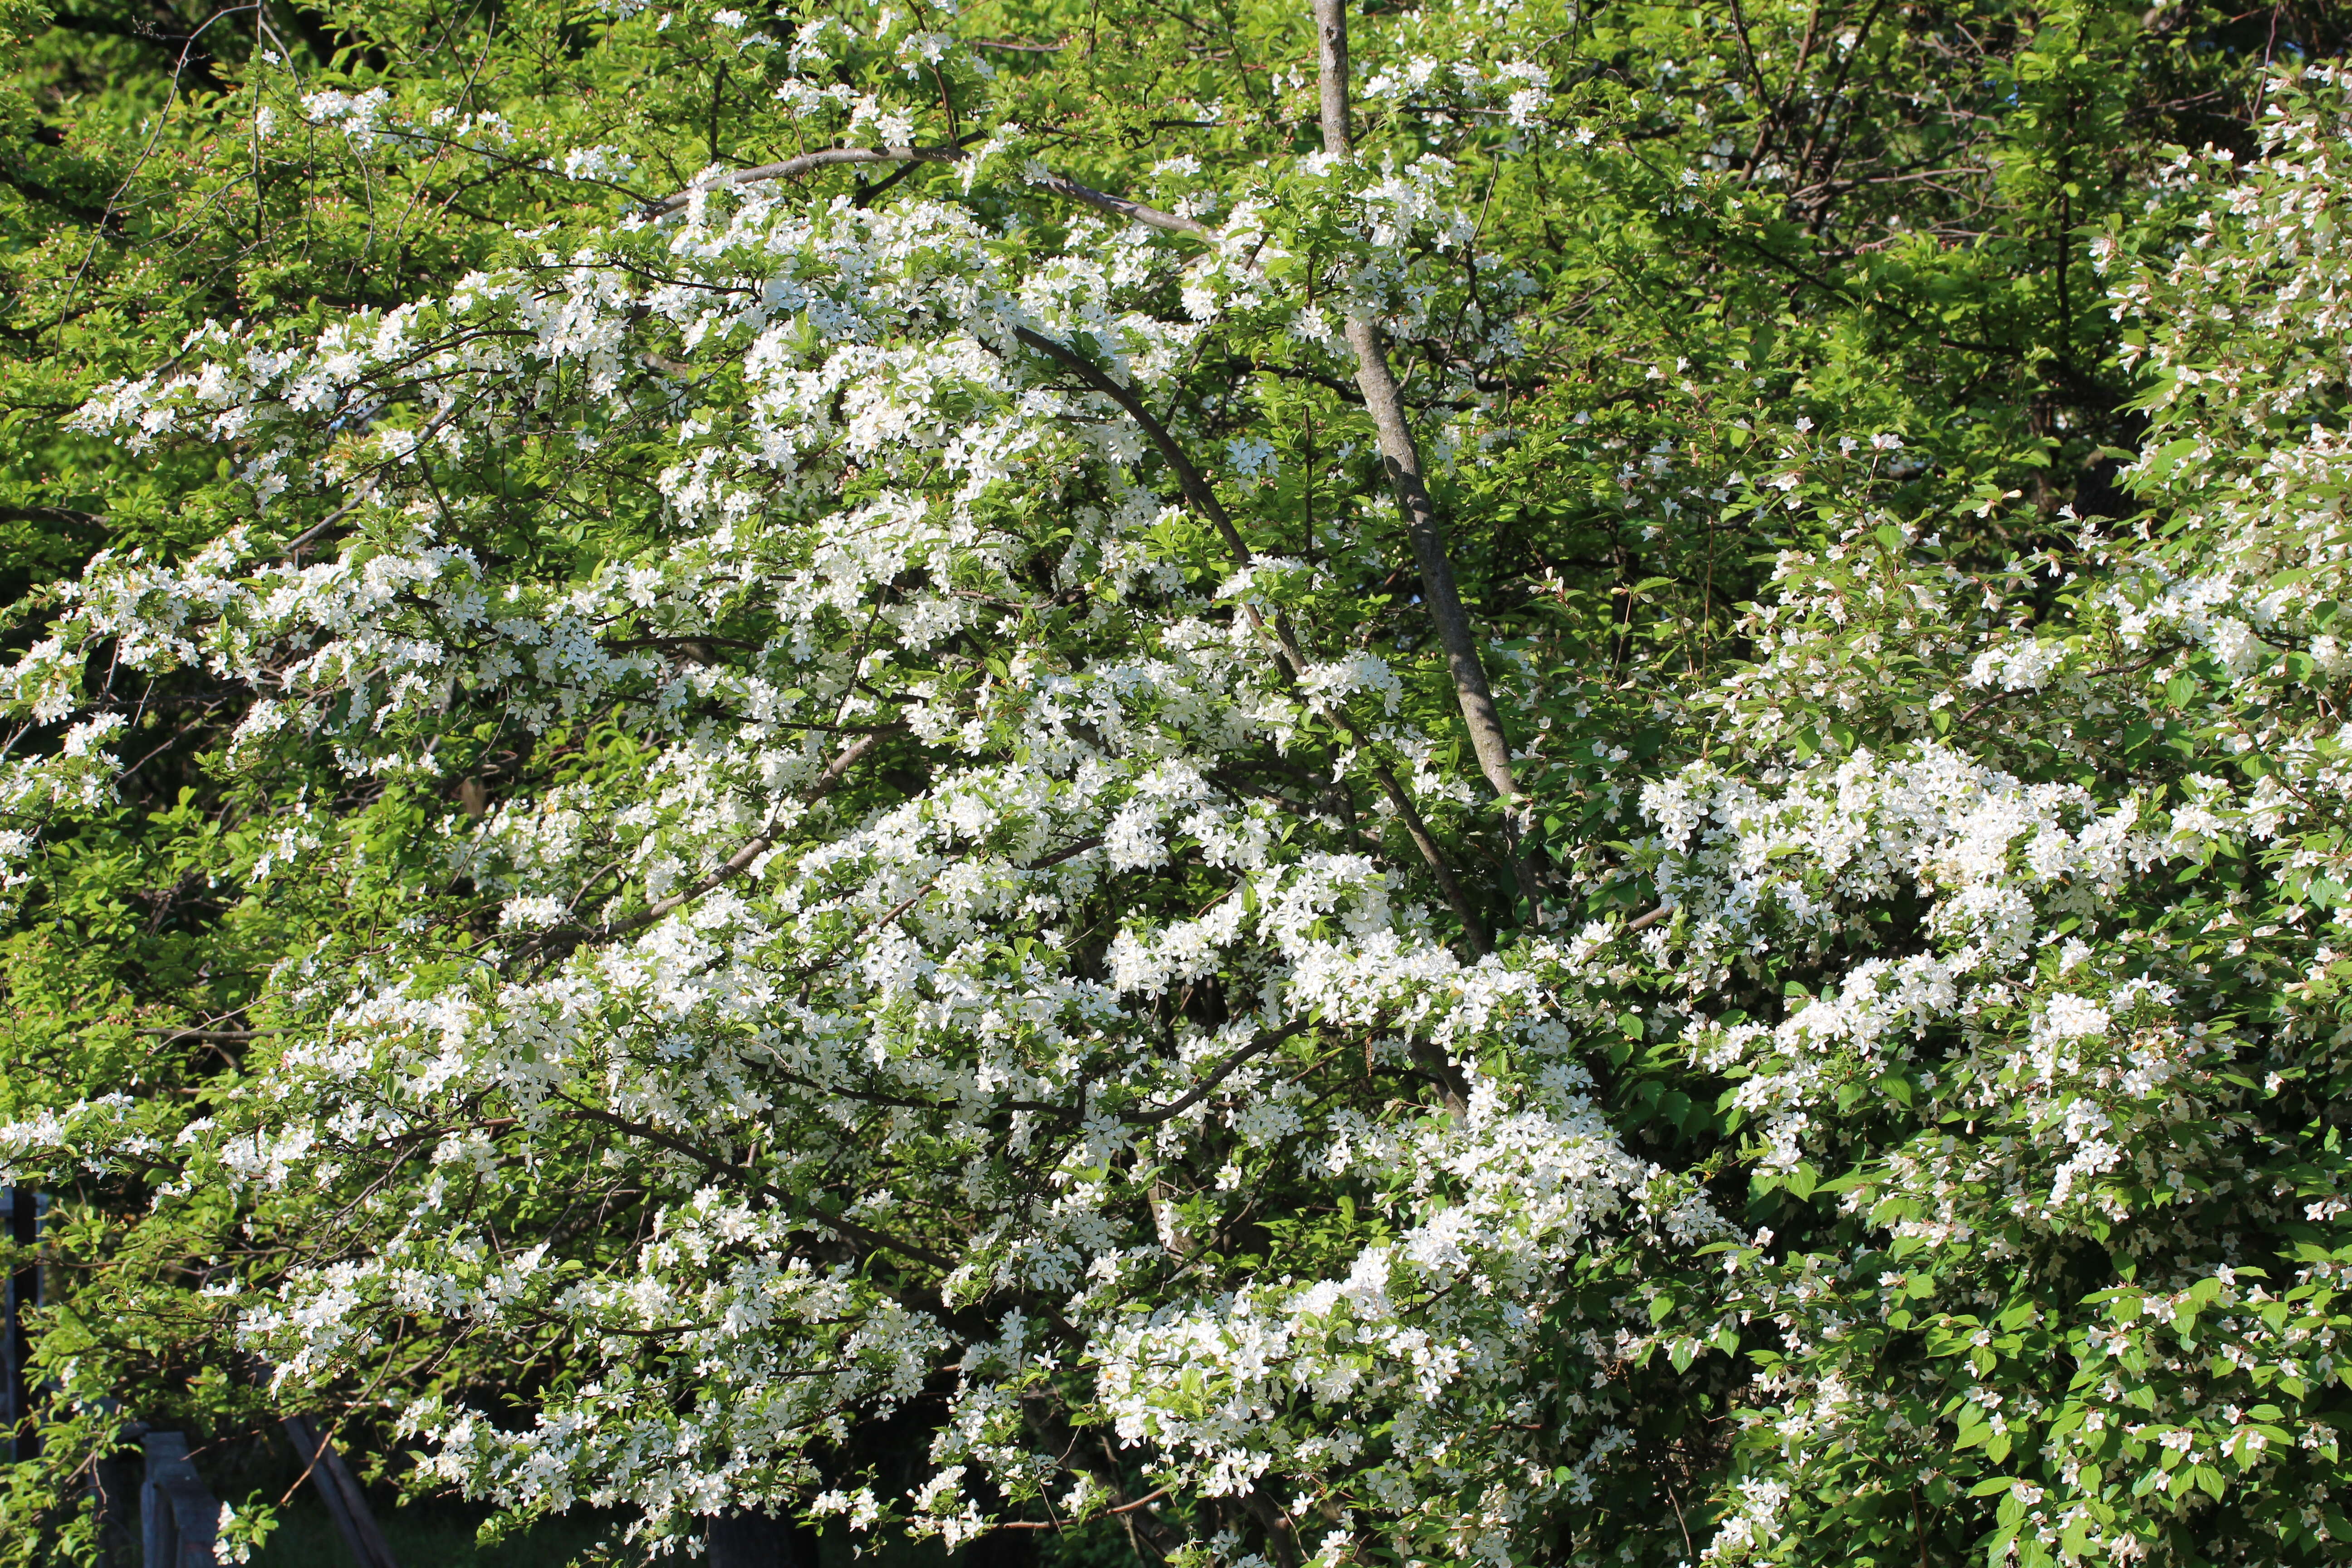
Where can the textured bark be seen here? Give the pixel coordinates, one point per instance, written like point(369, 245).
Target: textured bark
point(1331, 74)
point(1402, 461)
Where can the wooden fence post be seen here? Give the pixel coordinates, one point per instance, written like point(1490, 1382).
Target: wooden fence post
point(340, 1491)
point(178, 1513)
point(115, 1482)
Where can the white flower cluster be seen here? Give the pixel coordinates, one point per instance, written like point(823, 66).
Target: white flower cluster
point(788, 994)
point(940, 913)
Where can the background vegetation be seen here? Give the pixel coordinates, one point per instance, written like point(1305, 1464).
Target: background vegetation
point(1810, 315)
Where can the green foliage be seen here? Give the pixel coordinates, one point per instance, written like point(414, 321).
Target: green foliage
point(1819, 379)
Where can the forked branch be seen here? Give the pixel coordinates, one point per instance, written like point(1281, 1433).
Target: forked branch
point(1382, 398)
point(1203, 500)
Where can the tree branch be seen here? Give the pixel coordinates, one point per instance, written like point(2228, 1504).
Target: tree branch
point(1195, 485)
point(1197, 490)
point(1224, 1070)
point(845, 1226)
point(826, 782)
point(1204, 499)
point(1399, 456)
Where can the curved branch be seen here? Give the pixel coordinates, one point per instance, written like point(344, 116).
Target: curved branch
point(1194, 483)
point(1208, 1085)
point(865, 1234)
point(1204, 499)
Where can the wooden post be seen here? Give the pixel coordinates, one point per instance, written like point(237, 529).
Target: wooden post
point(339, 1490)
point(179, 1515)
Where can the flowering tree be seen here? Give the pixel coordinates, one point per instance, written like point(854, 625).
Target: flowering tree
point(865, 814)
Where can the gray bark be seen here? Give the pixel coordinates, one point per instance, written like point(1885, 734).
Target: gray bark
point(1402, 461)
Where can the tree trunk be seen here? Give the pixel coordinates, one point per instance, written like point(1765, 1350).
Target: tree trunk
point(1401, 460)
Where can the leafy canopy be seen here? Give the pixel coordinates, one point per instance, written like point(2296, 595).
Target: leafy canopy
point(739, 776)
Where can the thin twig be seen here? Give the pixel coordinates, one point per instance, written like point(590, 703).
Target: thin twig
point(1144, 1501)
point(227, 1036)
